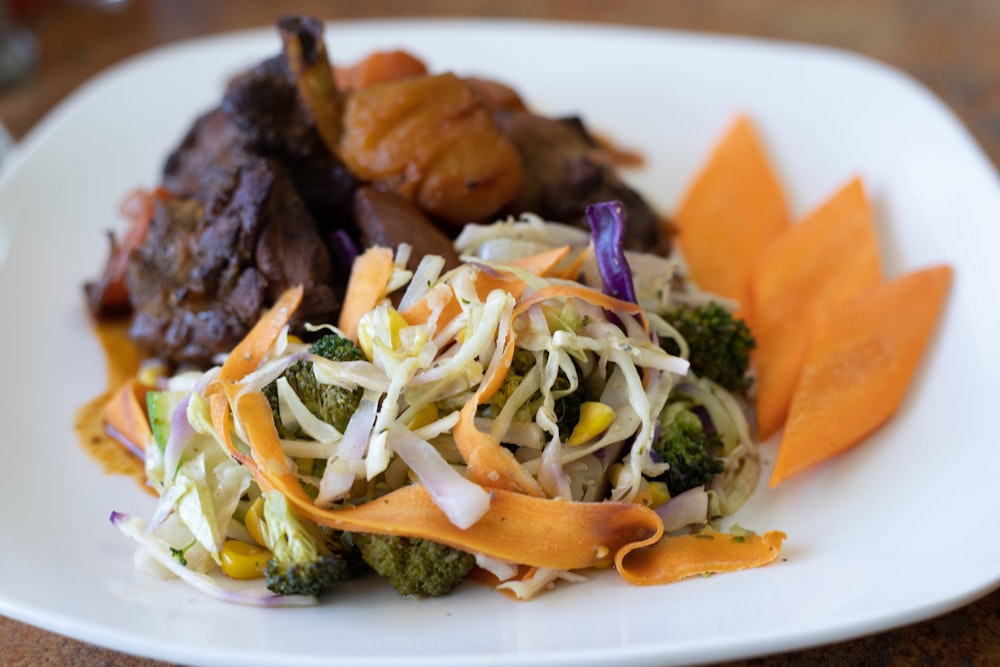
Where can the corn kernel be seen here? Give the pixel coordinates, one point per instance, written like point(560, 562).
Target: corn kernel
point(151, 371)
point(658, 494)
point(304, 465)
point(595, 418)
point(614, 471)
point(425, 415)
point(294, 340)
point(254, 523)
point(393, 321)
point(243, 561)
point(396, 324)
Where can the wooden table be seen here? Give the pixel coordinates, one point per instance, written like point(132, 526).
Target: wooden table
point(950, 47)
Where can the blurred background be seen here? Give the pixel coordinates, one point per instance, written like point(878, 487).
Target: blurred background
point(950, 46)
point(50, 47)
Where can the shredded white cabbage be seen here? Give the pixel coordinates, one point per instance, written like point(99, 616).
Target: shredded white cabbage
point(418, 376)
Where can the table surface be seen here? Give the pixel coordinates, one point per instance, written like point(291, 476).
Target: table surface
point(948, 46)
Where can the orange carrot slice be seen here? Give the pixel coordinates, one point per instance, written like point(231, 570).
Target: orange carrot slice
point(379, 67)
point(542, 263)
point(490, 464)
point(125, 414)
point(732, 210)
point(250, 351)
point(516, 527)
point(861, 359)
point(486, 282)
point(370, 275)
point(831, 255)
point(708, 552)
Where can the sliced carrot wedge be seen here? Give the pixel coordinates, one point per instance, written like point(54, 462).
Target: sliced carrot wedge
point(862, 357)
point(830, 255)
point(732, 210)
point(379, 67)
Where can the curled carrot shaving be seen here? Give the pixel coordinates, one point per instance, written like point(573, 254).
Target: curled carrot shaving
point(517, 527)
point(250, 351)
point(370, 275)
point(708, 552)
point(125, 414)
point(583, 293)
point(486, 282)
point(543, 263)
point(575, 268)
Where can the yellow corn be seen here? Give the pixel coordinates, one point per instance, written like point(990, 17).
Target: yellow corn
point(658, 494)
point(243, 561)
point(614, 470)
point(254, 522)
point(595, 418)
point(151, 371)
point(424, 416)
point(396, 324)
point(294, 340)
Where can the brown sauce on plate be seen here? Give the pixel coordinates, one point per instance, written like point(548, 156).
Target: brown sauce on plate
point(113, 455)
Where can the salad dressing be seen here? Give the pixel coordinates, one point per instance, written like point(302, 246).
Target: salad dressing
point(114, 456)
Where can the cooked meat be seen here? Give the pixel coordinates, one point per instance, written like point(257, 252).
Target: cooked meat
point(283, 182)
point(387, 219)
point(565, 171)
point(264, 105)
point(204, 161)
point(207, 269)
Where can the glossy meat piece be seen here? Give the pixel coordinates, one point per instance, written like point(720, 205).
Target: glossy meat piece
point(387, 219)
point(264, 105)
point(565, 170)
point(207, 270)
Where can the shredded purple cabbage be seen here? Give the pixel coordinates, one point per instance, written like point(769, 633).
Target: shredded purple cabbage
point(607, 229)
point(343, 246)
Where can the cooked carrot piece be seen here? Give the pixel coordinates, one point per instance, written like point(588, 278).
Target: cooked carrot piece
point(542, 263)
point(250, 351)
point(830, 255)
point(370, 275)
point(379, 67)
point(125, 414)
point(732, 210)
point(863, 354)
point(517, 527)
point(708, 552)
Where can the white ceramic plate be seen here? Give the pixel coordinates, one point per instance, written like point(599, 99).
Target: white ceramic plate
point(895, 531)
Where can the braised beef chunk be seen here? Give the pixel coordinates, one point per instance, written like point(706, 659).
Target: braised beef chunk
point(565, 171)
point(264, 104)
point(253, 200)
point(208, 269)
point(388, 219)
point(204, 161)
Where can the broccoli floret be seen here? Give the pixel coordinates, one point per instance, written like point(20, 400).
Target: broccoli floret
point(719, 343)
point(690, 452)
point(307, 559)
point(334, 405)
point(566, 407)
point(414, 566)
